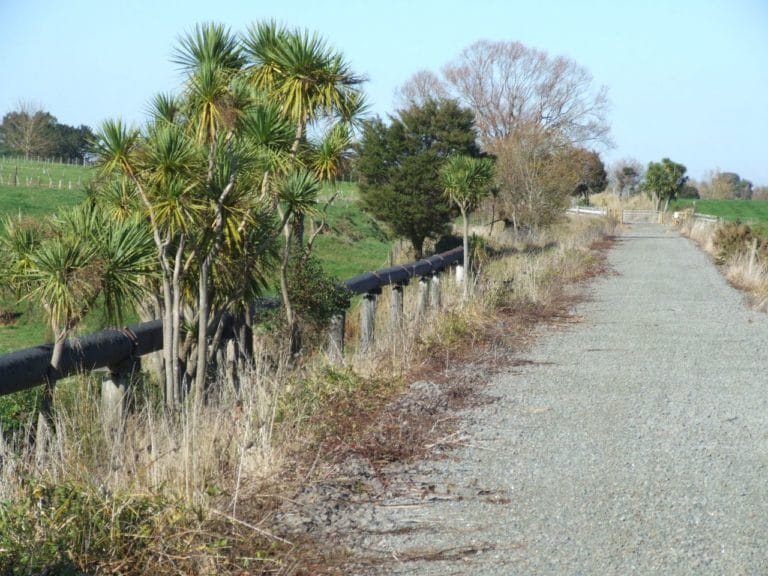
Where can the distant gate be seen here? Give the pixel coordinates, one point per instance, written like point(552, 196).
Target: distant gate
point(640, 216)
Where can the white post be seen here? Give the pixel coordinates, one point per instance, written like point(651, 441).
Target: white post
point(423, 295)
point(434, 292)
point(459, 273)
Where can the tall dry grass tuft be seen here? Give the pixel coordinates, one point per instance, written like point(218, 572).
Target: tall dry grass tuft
point(139, 481)
point(748, 272)
point(201, 450)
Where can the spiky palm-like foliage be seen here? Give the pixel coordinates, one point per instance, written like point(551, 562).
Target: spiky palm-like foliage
point(466, 180)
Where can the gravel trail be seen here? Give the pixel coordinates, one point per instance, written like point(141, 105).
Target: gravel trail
point(635, 443)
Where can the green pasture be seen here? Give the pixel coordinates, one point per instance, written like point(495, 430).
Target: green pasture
point(36, 202)
point(35, 188)
point(21, 173)
point(753, 212)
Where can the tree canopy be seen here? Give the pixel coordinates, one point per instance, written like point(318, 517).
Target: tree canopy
point(222, 171)
point(399, 163)
point(665, 180)
point(626, 176)
point(591, 177)
point(726, 185)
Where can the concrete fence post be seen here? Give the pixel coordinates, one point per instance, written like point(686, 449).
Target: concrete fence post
point(396, 308)
point(114, 390)
point(434, 292)
point(459, 273)
point(367, 321)
point(335, 349)
point(423, 297)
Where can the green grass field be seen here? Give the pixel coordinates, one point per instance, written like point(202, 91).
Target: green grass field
point(18, 172)
point(36, 188)
point(354, 242)
point(36, 201)
point(753, 212)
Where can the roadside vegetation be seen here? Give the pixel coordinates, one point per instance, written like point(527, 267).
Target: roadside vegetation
point(740, 250)
point(163, 493)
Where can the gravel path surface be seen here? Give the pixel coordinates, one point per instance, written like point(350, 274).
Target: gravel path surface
point(637, 442)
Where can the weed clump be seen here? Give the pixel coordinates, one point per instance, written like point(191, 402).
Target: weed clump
point(734, 238)
point(76, 528)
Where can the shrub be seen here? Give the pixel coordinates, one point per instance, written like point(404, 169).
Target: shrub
point(734, 238)
point(316, 296)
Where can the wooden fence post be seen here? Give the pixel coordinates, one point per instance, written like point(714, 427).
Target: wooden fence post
point(368, 320)
point(335, 350)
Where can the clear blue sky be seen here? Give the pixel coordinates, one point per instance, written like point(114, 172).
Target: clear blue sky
point(687, 79)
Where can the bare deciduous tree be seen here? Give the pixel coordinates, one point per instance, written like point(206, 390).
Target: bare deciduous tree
point(509, 85)
point(535, 177)
point(28, 130)
point(424, 85)
point(625, 176)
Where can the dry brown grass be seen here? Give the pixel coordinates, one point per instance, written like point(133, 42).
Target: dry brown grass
point(183, 473)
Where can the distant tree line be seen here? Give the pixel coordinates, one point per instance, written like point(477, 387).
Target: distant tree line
point(725, 185)
point(30, 131)
point(668, 180)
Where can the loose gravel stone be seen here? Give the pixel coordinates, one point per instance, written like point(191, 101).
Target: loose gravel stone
point(636, 443)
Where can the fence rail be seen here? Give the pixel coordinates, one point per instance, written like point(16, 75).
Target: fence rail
point(28, 367)
point(588, 210)
point(369, 281)
point(115, 348)
point(706, 218)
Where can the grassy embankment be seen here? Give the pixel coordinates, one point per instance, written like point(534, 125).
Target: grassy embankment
point(193, 495)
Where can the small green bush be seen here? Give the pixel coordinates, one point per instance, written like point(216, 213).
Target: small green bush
point(315, 295)
point(16, 410)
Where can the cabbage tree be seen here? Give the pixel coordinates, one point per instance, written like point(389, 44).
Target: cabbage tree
point(466, 181)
